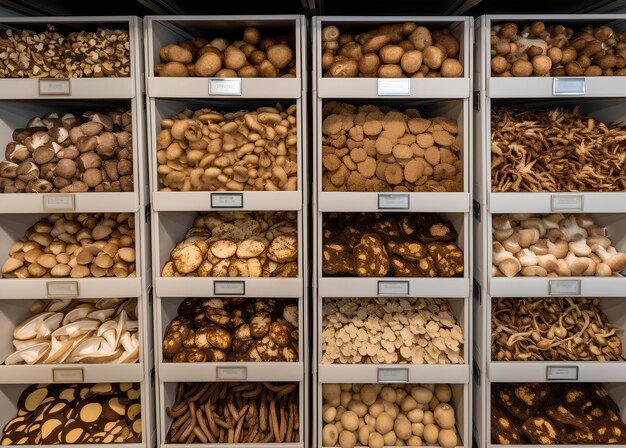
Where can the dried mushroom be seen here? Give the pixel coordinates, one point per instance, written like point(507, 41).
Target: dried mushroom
point(234, 413)
point(237, 244)
point(367, 148)
point(557, 149)
point(50, 54)
point(381, 245)
point(552, 329)
point(390, 331)
point(233, 329)
point(207, 150)
point(554, 414)
point(90, 331)
point(51, 414)
point(70, 153)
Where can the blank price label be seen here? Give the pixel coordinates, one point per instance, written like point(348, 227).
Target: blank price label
point(387, 375)
point(62, 289)
point(61, 375)
point(568, 86)
point(394, 86)
point(226, 288)
point(232, 373)
point(58, 202)
point(226, 200)
point(54, 87)
point(225, 86)
point(562, 373)
point(566, 203)
point(391, 288)
point(393, 201)
point(564, 287)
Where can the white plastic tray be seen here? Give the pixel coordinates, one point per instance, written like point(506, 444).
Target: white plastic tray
point(12, 229)
point(80, 88)
point(207, 200)
point(15, 114)
point(368, 87)
point(542, 87)
point(163, 30)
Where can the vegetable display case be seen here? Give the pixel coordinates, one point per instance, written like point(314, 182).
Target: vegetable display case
point(599, 99)
point(175, 209)
point(445, 97)
point(27, 98)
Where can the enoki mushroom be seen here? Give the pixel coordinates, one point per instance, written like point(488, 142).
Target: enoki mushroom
point(558, 149)
point(561, 329)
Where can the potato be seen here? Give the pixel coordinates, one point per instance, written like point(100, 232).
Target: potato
point(450, 43)
point(331, 392)
point(172, 69)
point(329, 435)
point(421, 38)
point(280, 55)
point(433, 57)
point(368, 394)
point(431, 433)
point(208, 64)
point(329, 413)
point(402, 428)
point(350, 421)
point(444, 416)
point(364, 433)
point(443, 392)
point(389, 71)
point(411, 61)
point(384, 423)
point(447, 438)
point(347, 439)
point(421, 394)
point(451, 68)
point(369, 64)
point(375, 440)
point(391, 54)
point(234, 58)
point(358, 407)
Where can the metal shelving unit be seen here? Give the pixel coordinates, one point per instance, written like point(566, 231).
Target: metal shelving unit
point(602, 98)
point(173, 212)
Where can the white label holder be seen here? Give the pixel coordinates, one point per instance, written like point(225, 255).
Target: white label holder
point(231, 373)
point(62, 289)
point(394, 86)
point(392, 375)
point(393, 288)
point(65, 375)
point(564, 287)
point(562, 373)
point(567, 202)
point(568, 86)
point(59, 202)
point(225, 86)
point(389, 201)
point(226, 200)
point(229, 288)
point(61, 86)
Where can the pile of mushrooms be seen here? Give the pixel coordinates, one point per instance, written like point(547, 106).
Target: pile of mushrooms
point(371, 148)
point(390, 330)
point(76, 246)
point(556, 50)
point(234, 413)
point(65, 331)
point(70, 153)
point(552, 329)
point(245, 150)
point(555, 245)
point(50, 54)
point(555, 149)
point(237, 244)
point(53, 414)
point(233, 329)
point(254, 55)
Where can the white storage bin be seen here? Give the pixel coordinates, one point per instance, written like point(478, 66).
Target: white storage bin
point(79, 88)
point(460, 27)
point(223, 371)
point(398, 286)
point(170, 228)
point(15, 115)
point(540, 86)
point(584, 371)
point(167, 393)
point(457, 109)
point(12, 312)
point(10, 393)
point(605, 110)
point(556, 286)
point(411, 373)
point(13, 228)
point(617, 391)
point(164, 30)
point(460, 404)
point(209, 200)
